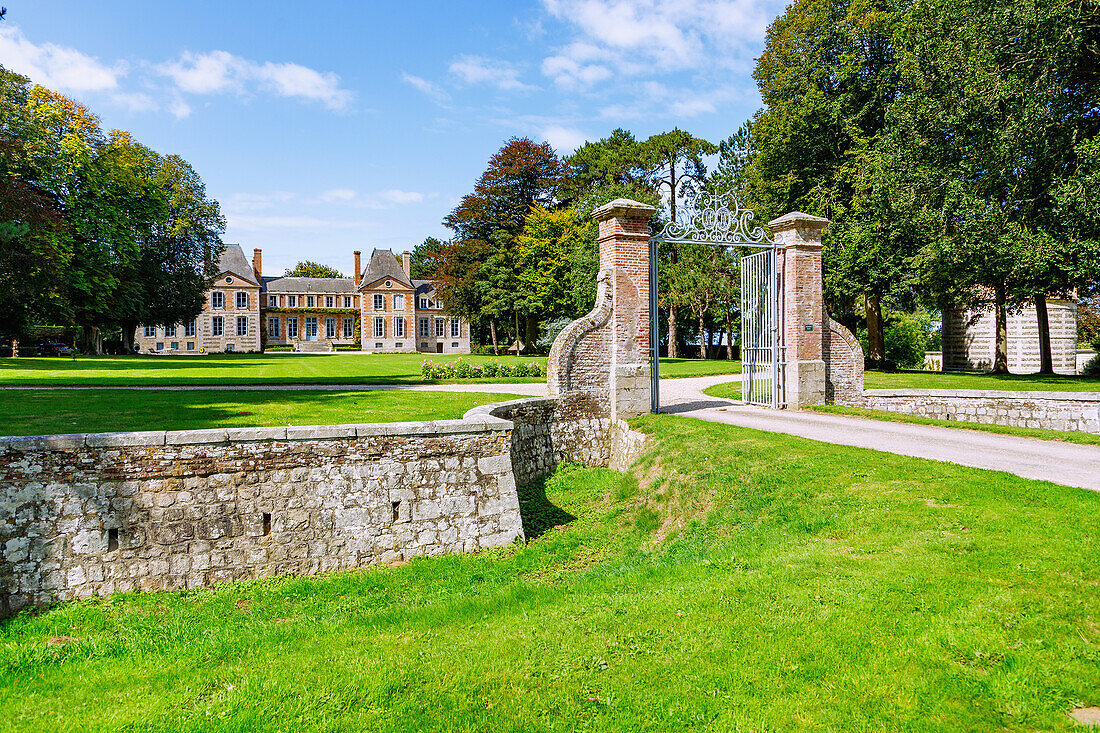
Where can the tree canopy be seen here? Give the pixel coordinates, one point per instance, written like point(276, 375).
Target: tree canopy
point(308, 268)
point(96, 230)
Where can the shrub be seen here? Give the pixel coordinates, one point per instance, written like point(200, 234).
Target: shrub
point(462, 369)
point(553, 328)
point(1092, 367)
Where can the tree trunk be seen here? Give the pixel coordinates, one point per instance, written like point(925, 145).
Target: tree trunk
point(1046, 360)
point(702, 339)
point(876, 344)
point(519, 344)
point(1000, 354)
point(729, 336)
point(128, 339)
point(493, 334)
point(91, 341)
point(532, 325)
point(672, 314)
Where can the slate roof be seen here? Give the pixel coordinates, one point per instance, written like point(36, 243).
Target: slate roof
point(234, 261)
point(383, 263)
point(425, 289)
point(309, 285)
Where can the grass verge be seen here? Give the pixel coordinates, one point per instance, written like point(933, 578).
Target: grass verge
point(737, 580)
point(973, 380)
point(44, 412)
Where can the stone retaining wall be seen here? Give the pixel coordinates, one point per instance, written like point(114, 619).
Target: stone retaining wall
point(573, 427)
point(100, 513)
point(1078, 411)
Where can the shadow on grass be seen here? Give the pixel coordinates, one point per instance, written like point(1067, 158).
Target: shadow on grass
point(537, 512)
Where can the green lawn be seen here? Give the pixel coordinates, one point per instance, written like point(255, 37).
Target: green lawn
point(748, 581)
point(233, 369)
point(43, 412)
point(970, 380)
point(673, 368)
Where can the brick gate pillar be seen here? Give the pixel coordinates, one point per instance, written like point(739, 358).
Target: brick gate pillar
point(802, 302)
point(624, 254)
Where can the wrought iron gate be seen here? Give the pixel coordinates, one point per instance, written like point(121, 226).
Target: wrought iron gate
point(763, 355)
point(717, 219)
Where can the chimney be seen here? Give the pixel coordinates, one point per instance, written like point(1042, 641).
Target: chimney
point(406, 263)
point(358, 272)
point(256, 265)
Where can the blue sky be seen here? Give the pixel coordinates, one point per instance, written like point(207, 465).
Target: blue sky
point(325, 127)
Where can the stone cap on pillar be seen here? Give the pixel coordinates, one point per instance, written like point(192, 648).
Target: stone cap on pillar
point(624, 209)
point(797, 220)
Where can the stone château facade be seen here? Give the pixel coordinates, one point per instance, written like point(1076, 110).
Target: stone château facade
point(381, 308)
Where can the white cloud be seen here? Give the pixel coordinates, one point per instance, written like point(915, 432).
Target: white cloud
point(396, 196)
point(217, 72)
point(636, 42)
point(481, 70)
point(206, 73)
point(334, 195)
point(294, 80)
point(136, 101)
point(252, 223)
point(432, 90)
point(179, 108)
point(563, 139)
point(670, 33)
point(241, 202)
point(572, 72)
point(59, 68)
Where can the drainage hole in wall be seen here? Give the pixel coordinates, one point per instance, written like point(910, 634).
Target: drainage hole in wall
point(112, 540)
point(396, 510)
point(267, 524)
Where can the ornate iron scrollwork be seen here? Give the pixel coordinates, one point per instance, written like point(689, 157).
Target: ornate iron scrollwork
point(705, 216)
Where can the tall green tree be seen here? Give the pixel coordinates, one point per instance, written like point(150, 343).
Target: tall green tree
point(827, 76)
point(107, 232)
point(308, 268)
point(34, 251)
point(543, 253)
point(673, 162)
point(1000, 99)
point(616, 160)
point(487, 223)
point(425, 257)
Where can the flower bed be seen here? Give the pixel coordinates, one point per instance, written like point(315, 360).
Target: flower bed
point(461, 369)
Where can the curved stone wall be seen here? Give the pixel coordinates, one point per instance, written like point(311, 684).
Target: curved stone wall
point(843, 365)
